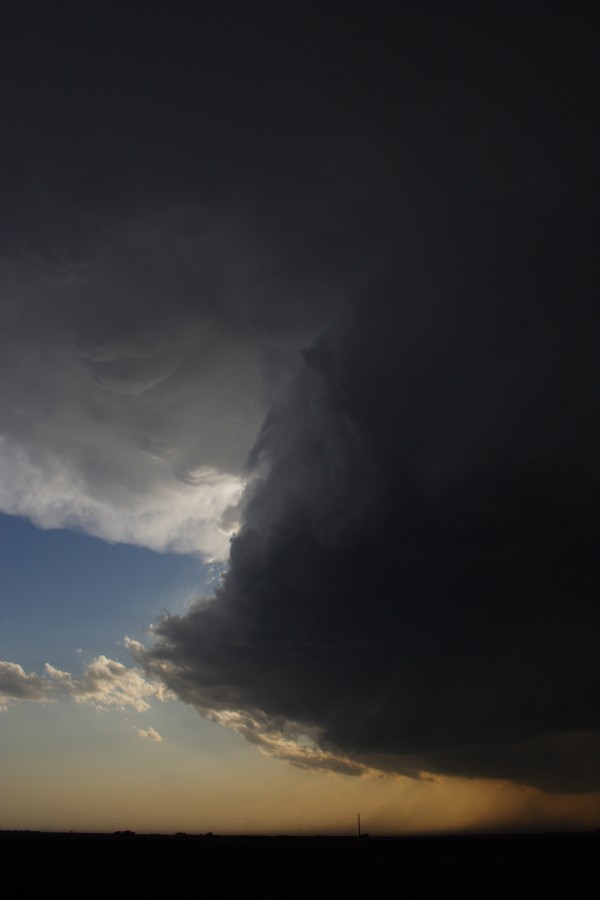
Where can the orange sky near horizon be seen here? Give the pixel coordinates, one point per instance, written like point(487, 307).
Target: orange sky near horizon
point(95, 774)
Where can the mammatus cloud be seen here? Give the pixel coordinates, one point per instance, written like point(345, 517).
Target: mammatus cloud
point(104, 684)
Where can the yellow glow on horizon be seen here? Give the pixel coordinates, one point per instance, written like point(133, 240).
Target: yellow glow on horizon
point(273, 797)
point(94, 773)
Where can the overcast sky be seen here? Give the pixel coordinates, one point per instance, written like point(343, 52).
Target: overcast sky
point(299, 414)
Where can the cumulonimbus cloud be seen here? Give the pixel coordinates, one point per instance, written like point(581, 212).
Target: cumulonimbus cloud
point(412, 584)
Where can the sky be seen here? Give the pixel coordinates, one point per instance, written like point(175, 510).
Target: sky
point(298, 419)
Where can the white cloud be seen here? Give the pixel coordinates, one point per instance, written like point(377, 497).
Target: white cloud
point(16, 684)
point(151, 734)
point(169, 516)
point(104, 683)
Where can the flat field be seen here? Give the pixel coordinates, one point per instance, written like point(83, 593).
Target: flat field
point(87, 866)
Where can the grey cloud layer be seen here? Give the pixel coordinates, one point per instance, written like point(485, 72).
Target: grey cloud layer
point(134, 393)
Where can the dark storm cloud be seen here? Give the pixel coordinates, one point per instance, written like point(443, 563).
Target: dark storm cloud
point(416, 573)
point(409, 201)
point(413, 584)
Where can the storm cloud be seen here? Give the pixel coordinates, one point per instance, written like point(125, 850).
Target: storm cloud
point(328, 292)
point(415, 575)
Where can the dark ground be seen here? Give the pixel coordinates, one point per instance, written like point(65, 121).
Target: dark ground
point(38, 865)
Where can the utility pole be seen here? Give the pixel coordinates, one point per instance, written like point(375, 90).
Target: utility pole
point(359, 824)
